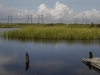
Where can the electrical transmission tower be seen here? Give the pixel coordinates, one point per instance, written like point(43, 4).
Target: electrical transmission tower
point(76, 21)
point(99, 21)
point(87, 21)
point(84, 20)
point(61, 20)
point(9, 19)
point(40, 17)
point(29, 18)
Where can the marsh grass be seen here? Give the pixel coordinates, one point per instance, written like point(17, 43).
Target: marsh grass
point(56, 32)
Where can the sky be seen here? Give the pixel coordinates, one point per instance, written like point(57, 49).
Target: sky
point(53, 10)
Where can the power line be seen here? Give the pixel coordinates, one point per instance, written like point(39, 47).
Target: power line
point(41, 18)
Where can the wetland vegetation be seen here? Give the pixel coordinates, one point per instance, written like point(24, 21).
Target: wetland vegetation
point(55, 31)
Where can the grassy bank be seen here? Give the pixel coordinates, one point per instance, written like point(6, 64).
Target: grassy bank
point(56, 32)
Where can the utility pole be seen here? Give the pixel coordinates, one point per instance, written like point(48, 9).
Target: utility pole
point(40, 17)
point(99, 21)
point(87, 21)
point(9, 19)
point(61, 20)
point(29, 18)
point(84, 20)
point(76, 21)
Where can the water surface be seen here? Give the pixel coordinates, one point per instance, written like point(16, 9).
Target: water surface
point(46, 56)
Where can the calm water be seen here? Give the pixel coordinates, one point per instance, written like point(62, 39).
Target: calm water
point(46, 57)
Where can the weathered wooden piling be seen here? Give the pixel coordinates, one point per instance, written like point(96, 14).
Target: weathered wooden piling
point(90, 55)
point(27, 61)
point(27, 57)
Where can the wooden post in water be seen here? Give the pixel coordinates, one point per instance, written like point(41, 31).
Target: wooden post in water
point(27, 61)
point(90, 55)
point(27, 57)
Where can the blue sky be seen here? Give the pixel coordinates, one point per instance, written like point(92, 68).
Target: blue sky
point(76, 5)
point(52, 9)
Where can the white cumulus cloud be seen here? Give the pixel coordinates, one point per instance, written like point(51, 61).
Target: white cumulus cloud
point(93, 15)
point(59, 11)
point(5, 11)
